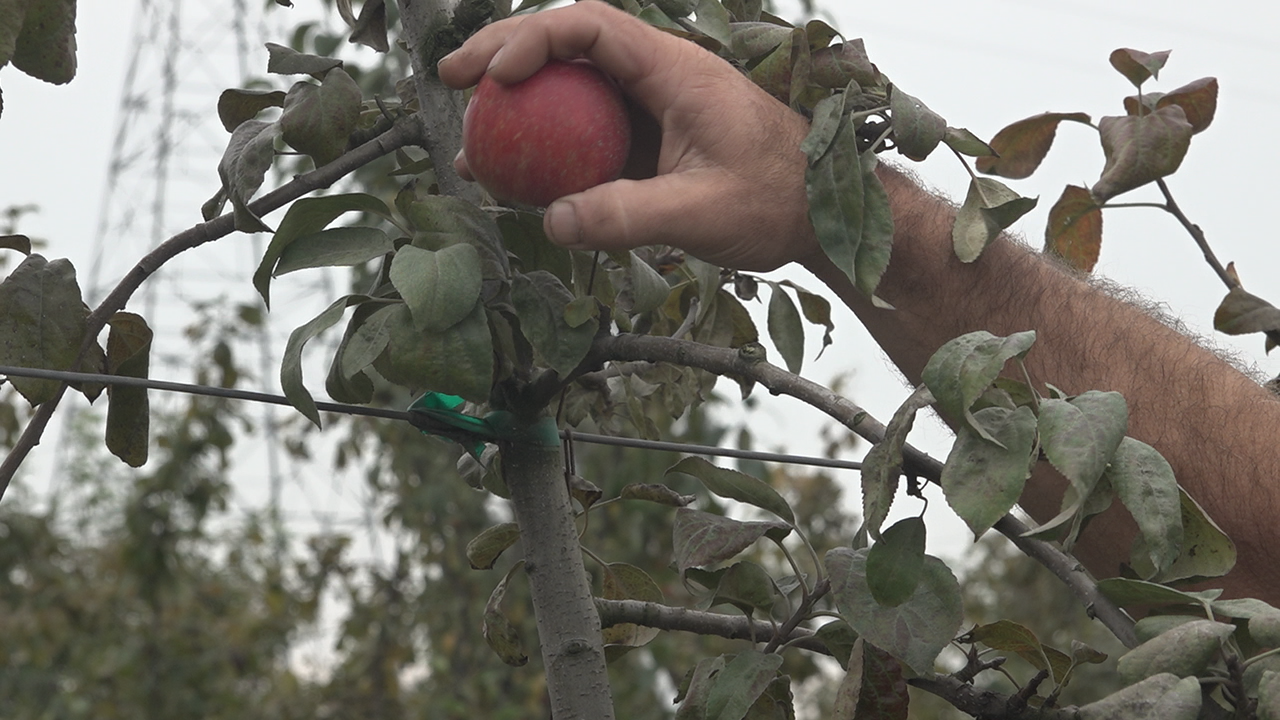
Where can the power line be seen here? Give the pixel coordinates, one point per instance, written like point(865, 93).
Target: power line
point(570, 435)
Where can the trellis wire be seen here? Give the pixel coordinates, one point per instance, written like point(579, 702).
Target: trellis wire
point(571, 435)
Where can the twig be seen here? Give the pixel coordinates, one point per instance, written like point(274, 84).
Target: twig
point(1171, 206)
point(667, 617)
point(405, 132)
point(724, 361)
point(985, 703)
point(785, 633)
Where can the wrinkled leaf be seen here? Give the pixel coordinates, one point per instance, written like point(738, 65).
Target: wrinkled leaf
point(318, 119)
point(1009, 636)
point(244, 165)
point(1074, 230)
point(43, 322)
point(21, 243)
point(485, 549)
point(833, 67)
point(628, 582)
point(370, 28)
point(458, 361)
point(988, 209)
point(236, 106)
point(913, 632)
point(45, 48)
point(1137, 66)
point(540, 300)
point(291, 381)
point(966, 143)
point(895, 563)
point(917, 130)
point(660, 494)
point(283, 60)
point(701, 539)
point(1198, 100)
point(982, 481)
point(1242, 312)
point(1141, 149)
point(129, 411)
point(500, 634)
point(1022, 146)
point(883, 463)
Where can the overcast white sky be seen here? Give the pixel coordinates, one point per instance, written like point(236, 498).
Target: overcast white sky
point(981, 64)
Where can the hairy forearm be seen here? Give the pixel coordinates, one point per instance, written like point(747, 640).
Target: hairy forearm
point(1213, 424)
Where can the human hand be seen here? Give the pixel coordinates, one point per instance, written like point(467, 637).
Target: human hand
point(729, 184)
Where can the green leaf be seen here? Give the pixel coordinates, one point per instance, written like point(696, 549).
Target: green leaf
point(775, 74)
point(1140, 150)
point(364, 339)
point(1074, 230)
point(1080, 436)
point(642, 288)
point(440, 288)
point(540, 300)
point(982, 481)
point(713, 20)
point(43, 322)
point(962, 370)
point(966, 143)
point(628, 582)
point(523, 236)
point(735, 486)
point(237, 106)
point(839, 639)
point(318, 119)
point(1160, 697)
point(282, 60)
point(895, 563)
point(305, 217)
point(1269, 696)
point(485, 549)
point(1206, 551)
point(129, 411)
point(913, 632)
point(836, 66)
point(701, 539)
point(750, 40)
point(291, 381)
point(1138, 66)
point(785, 329)
point(1241, 312)
point(917, 130)
point(988, 209)
point(1184, 651)
point(746, 586)
point(828, 119)
point(441, 220)
point(1022, 146)
point(1126, 592)
point(1144, 482)
point(499, 632)
point(883, 463)
point(1009, 636)
point(816, 309)
point(849, 208)
point(735, 688)
point(333, 247)
point(244, 165)
point(885, 695)
point(1153, 625)
point(45, 49)
point(695, 691)
point(458, 360)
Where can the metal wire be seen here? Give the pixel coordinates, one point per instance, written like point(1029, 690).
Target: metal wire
point(570, 435)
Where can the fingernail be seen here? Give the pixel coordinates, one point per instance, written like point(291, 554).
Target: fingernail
point(496, 57)
point(446, 58)
point(562, 224)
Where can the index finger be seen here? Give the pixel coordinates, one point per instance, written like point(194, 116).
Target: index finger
point(647, 63)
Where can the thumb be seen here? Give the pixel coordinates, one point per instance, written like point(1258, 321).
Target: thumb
point(674, 209)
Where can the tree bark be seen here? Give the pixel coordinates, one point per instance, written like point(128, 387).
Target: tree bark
point(568, 624)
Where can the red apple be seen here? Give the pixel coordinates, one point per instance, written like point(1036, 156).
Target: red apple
point(563, 130)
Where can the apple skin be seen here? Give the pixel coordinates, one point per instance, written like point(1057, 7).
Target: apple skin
point(561, 131)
